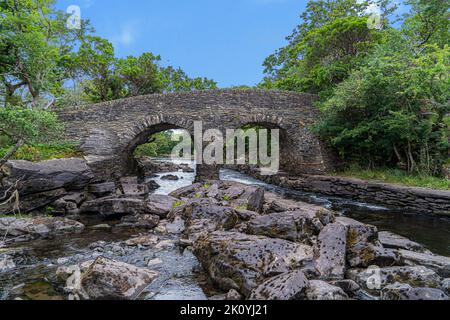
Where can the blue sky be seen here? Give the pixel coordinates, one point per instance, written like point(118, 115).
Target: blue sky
point(225, 40)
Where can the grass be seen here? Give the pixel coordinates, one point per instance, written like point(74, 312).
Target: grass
point(397, 176)
point(42, 152)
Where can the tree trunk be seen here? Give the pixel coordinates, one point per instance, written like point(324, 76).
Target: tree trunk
point(11, 152)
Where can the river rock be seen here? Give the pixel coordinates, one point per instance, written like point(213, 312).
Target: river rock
point(143, 221)
point(70, 174)
point(287, 286)
point(233, 194)
point(348, 286)
point(321, 290)
point(6, 263)
point(417, 276)
point(146, 241)
point(108, 279)
point(35, 201)
point(363, 247)
point(275, 203)
point(160, 205)
point(102, 190)
point(400, 291)
point(42, 227)
point(440, 264)
point(114, 206)
point(222, 217)
point(170, 177)
point(238, 261)
point(292, 225)
point(445, 285)
point(330, 253)
point(394, 241)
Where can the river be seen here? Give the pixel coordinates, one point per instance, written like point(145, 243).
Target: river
point(34, 278)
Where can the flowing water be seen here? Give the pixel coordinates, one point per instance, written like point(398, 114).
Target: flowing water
point(35, 277)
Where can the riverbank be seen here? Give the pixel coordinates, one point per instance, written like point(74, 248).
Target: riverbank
point(415, 200)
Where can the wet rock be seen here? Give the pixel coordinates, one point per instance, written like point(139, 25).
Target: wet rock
point(111, 206)
point(177, 226)
point(170, 177)
point(160, 205)
point(33, 228)
point(394, 241)
point(363, 247)
point(287, 286)
point(165, 244)
point(70, 174)
point(102, 190)
point(152, 185)
point(376, 278)
point(144, 221)
point(154, 262)
point(109, 279)
point(330, 253)
point(348, 286)
point(101, 227)
point(321, 290)
point(400, 291)
point(238, 261)
point(437, 263)
point(134, 189)
point(146, 241)
point(6, 263)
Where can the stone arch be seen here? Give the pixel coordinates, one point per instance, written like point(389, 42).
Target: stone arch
point(141, 130)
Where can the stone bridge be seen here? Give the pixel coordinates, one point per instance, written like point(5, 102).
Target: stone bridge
point(108, 133)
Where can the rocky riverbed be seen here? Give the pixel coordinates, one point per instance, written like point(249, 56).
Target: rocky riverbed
point(211, 240)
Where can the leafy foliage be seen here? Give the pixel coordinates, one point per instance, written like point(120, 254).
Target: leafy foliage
point(384, 93)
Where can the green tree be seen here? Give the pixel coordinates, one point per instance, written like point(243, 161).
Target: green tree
point(24, 125)
point(390, 111)
point(176, 80)
point(427, 22)
point(332, 39)
point(140, 75)
point(34, 46)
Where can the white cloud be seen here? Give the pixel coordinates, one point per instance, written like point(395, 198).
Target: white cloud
point(126, 36)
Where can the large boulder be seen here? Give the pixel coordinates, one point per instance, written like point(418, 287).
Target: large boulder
point(330, 253)
point(142, 221)
point(363, 246)
point(111, 206)
point(70, 174)
point(320, 290)
point(33, 228)
point(160, 205)
point(400, 291)
point(440, 264)
point(233, 194)
point(35, 201)
point(109, 279)
point(238, 261)
point(377, 279)
point(275, 203)
point(394, 241)
point(287, 286)
point(291, 225)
